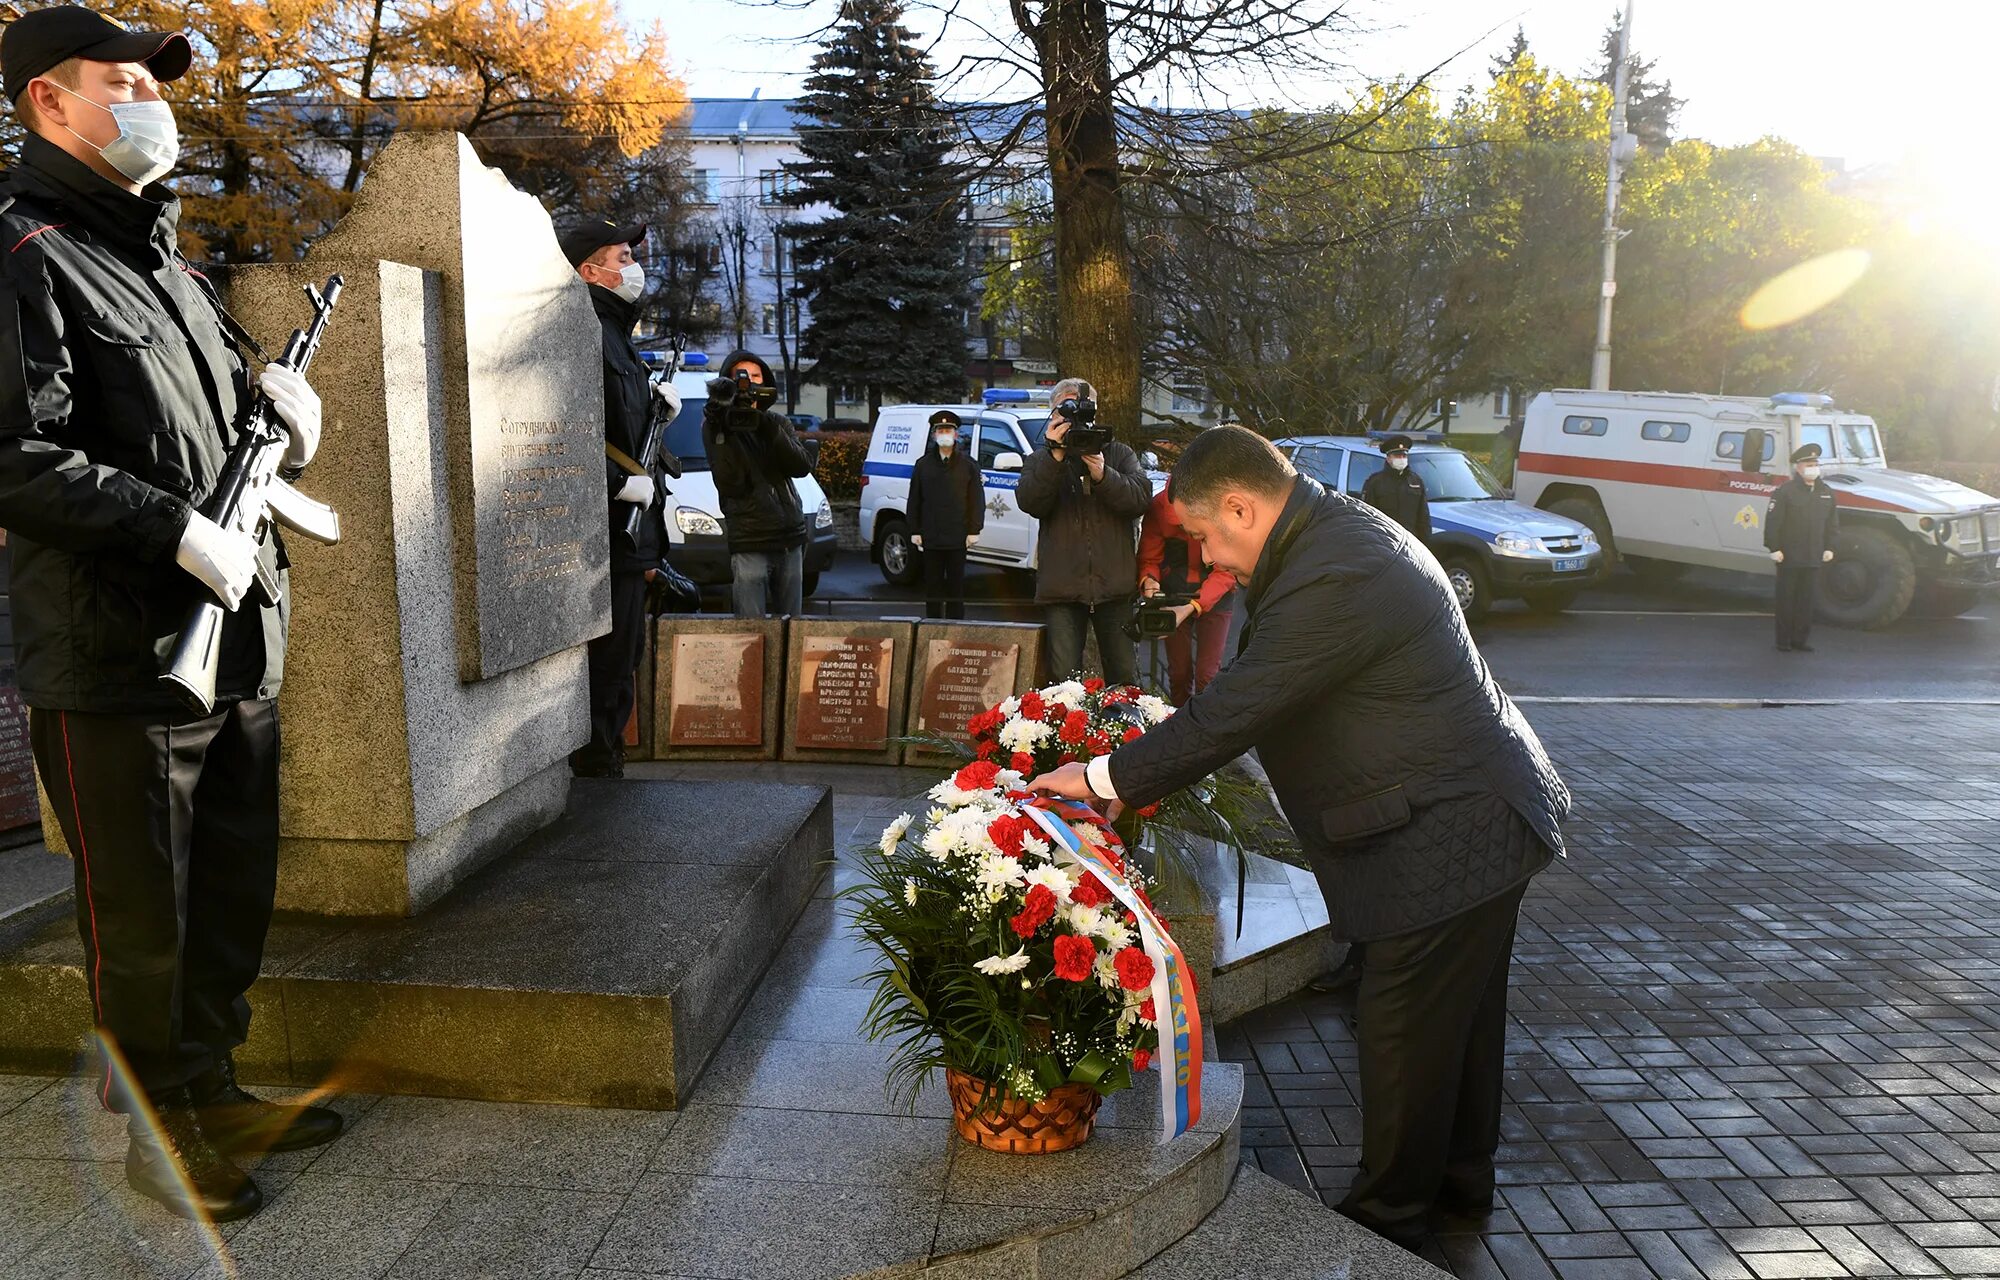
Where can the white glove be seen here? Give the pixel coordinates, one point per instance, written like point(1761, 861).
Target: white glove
point(1779, 556)
point(298, 408)
point(1825, 556)
point(224, 562)
point(971, 538)
point(917, 541)
point(637, 490)
point(668, 397)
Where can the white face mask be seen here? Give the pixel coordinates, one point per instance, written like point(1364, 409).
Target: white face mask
point(1809, 474)
point(945, 441)
point(1398, 464)
point(631, 282)
point(148, 140)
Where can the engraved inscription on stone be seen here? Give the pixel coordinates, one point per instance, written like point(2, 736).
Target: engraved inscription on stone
point(18, 806)
point(718, 691)
point(539, 470)
point(962, 679)
point(844, 693)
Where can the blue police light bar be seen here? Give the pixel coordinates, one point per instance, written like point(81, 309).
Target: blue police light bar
point(1416, 437)
point(1015, 395)
point(694, 360)
point(1806, 398)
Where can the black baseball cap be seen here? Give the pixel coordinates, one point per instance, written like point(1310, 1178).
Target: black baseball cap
point(41, 39)
point(584, 239)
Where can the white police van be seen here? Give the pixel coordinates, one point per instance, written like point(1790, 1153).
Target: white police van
point(1000, 433)
point(698, 542)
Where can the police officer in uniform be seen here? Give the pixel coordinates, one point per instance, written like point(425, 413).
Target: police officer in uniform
point(601, 252)
point(1398, 492)
point(122, 382)
point(1799, 529)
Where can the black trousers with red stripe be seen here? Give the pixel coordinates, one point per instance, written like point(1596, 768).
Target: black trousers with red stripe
point(173, 826)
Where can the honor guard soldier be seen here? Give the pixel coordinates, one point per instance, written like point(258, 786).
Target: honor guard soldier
point(1799, 529)
point(121, 391)
point(602, 253)
point(1398, 492)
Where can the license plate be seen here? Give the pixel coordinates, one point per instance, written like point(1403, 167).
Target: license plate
point(1569, 566)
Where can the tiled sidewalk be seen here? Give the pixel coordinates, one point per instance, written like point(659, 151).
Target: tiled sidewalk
point(1755, 1015)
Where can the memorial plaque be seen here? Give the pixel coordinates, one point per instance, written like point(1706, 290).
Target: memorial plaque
point(19, 806)
point(960, 680)
point(844, 693)
point(717, 688)
point(718, 683)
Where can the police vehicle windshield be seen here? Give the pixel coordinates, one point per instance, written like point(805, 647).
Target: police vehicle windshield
point(684, 435)
point(1450, 476)
point(1034, 428)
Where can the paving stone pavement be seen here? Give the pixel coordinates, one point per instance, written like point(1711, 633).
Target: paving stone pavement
point(1755, 1015)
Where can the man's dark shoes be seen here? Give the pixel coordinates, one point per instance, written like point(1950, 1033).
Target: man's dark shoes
point(238, 1123)
point(174, 1162)
point(1346, 974)
point(1409, 1235)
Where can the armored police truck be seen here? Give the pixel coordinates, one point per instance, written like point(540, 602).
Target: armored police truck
point(1670, 480)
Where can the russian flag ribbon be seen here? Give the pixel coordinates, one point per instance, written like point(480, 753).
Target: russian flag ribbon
point(1173, 984)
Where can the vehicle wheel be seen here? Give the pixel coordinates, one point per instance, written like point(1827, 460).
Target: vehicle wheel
point(1550, 600)
point(898, 557)
point(1468, 583)
point(1933, 601)
point(1587, 511)
point(1870, 582)
point(811, 583)
point(1657, 572)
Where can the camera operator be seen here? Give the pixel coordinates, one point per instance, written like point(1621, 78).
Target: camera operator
point(755, 455)
point(1171, 568)
point(1085, 492)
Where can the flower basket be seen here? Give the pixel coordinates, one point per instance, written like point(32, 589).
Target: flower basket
point(1020, 952)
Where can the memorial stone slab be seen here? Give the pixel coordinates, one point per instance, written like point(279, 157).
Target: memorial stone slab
point(716, 685)
point(525, 428)
point(961, 669)
point(847, 688)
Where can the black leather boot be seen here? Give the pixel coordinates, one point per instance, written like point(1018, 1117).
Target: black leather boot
point(239, 1123)
point(175, 1163)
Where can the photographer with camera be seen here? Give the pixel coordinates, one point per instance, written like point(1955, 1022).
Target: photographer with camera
point(1174, 579)
point(755, 455)
point(1086, 490)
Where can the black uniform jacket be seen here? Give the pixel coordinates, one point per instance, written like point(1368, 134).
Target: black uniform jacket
point(628, 411)
point(1400, 496)
point(1801, 522)
point(947, 498)
point(1394, 754)
point(120, 394)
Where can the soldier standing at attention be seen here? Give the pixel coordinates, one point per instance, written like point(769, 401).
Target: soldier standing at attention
point(1398, 492)
point(122, 386)
point(1799, 528)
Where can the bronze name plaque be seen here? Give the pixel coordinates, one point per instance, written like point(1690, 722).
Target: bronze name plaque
point(962, 679)
point(844, 693)
point(717, 691)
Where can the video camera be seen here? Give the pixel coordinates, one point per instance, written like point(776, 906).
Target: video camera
point(1083, 438)
point(1153, 616)
point(741, 393)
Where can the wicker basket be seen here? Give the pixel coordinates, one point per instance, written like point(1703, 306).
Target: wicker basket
point(1058, 1122)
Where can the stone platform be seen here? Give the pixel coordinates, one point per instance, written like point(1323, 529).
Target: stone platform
point(600, 963)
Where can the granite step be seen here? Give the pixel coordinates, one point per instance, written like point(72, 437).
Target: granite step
point(601, 963)
point(1264, 1230)
point(31, 877)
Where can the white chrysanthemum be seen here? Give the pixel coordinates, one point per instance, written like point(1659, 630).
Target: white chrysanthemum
point(1116, 934)
point(938, 842)
point(910, 892)
point(1011, 708)
point(1070, 693)
point(893, 834)
point(1107, 972)
point(1036, 845)
point(1085, 920)
point(1024, 735)
point(997, 871)
point(1055, 880)
point(994, 966)
point(1155, 709)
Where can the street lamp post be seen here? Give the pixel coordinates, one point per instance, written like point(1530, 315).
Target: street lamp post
point(1623, 147)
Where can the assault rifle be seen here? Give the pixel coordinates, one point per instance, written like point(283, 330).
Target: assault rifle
point(247, 499)
point(656, 432)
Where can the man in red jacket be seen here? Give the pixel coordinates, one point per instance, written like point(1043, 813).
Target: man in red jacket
point(1169, 562)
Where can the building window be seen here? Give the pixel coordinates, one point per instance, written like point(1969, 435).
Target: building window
point(1505, 401)
point(1730, 445)
point(775, 255)
point(1577, 426)
point(773, 185)
point(1665, 432)
point(770, 325)
point(707, 184)
point(1189, 395)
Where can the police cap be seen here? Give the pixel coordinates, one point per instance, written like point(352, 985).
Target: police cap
point(945, 418)
point(1805, 453)
point(40, 39)
point(1396, 444)
point(584, 239)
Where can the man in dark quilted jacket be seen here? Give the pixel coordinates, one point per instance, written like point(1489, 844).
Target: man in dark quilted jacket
point(1421, 794)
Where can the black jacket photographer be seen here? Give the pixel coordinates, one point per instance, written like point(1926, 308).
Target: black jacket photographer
point(1088, 499)
point(755, 455)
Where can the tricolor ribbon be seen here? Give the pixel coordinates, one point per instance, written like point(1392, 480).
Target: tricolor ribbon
point(1173, 985)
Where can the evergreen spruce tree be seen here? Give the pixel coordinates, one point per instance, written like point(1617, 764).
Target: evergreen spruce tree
point(887, 273)
point(1505, 62)
point(1650, 106)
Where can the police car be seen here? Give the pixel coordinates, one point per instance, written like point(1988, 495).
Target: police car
point(698, 541)
point(1671, 480)
point(1491, 548)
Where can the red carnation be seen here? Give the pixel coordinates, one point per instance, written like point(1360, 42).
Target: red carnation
point(1022, 763)
point(1007, 833)
point(1036, 912)
point(1054, 713)
point(985, 722)
point(1067, 757)
point(1135, 968)
point(1134, 733)
point(1141, 1060)
point(1031, 705)
point(986, 750)
point(977, 776)
point(1146, 1010)
point(1090, 892)
point(1074, 956)
point(1093, 686)
point(1150, 811)
point(1075, 726)
point(1099, 744)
